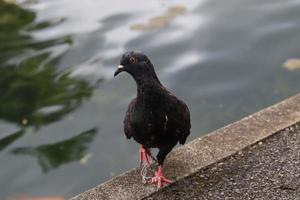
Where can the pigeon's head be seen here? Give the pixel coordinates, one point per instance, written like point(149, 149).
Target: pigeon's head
point(137, 64)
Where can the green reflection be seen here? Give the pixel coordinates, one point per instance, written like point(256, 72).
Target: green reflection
point(44, 24)
point(12, 20)
point(6, 141)
point(30, 84)
point(14, 40)
point(32, 91)
point(51, 156)
point(25, 89)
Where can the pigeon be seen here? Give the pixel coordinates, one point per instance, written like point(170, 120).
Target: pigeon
point(155, 118)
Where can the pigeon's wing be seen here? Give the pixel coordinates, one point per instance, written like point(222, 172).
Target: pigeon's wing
point(178, 119)
point(128, 119)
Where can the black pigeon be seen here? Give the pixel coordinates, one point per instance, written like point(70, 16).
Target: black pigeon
point(155, 118)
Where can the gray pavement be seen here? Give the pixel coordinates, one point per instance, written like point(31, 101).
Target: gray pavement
point(270, 169)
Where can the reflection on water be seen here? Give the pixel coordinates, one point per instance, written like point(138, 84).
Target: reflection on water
point(6, 141)
point(162, 20)
point(30, 83)
point(33, 92)
point(292, 64)
point(53, 155)
point(33, 85)
point(224, 59)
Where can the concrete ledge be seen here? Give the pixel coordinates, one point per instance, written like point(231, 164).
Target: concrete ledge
point(203, 151)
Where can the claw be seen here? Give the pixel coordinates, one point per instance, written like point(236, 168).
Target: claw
point(159, 178)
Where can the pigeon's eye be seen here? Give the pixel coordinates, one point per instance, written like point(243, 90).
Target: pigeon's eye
point(132, 60)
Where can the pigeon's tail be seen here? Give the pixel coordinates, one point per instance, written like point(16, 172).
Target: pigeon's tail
point(182, 141)
point(183, 138)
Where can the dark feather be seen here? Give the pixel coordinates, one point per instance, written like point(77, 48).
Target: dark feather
point(128, 119)
point(155, 118)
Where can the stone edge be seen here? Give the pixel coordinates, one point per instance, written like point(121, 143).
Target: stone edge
point(203, 151)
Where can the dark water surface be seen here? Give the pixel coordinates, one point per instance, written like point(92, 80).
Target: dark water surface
point(61, 111)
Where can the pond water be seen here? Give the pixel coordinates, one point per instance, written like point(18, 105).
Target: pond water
point(61, 110)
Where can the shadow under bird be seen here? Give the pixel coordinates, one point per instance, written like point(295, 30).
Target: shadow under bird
point(155, 118)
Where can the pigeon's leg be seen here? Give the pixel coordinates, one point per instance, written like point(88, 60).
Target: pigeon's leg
point(159, 177)
point(144, 155)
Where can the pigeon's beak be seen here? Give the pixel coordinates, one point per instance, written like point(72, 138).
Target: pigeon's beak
point(119, 70)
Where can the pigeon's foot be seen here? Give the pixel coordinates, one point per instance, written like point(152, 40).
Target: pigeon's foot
point(159, 178)
point(145, 156)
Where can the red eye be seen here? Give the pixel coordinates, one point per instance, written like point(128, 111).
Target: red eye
point(132, 60)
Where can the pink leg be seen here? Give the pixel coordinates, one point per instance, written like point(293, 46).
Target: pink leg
point(159, 178)
point(144, 155)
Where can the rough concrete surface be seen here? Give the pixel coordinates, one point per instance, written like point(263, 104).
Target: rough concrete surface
point(269, 169)
point(203, 151)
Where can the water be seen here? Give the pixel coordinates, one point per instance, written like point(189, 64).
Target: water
point(61, 110)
